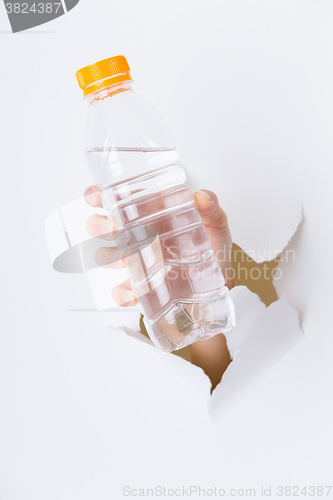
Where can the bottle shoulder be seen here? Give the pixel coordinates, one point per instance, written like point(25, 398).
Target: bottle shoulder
point(126, 120)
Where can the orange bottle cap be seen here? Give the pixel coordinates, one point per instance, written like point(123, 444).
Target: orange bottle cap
point(103, 73)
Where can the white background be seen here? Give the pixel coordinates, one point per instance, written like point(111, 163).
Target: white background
point(246, 87)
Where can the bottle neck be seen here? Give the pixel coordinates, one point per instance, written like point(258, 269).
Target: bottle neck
point(109, 91)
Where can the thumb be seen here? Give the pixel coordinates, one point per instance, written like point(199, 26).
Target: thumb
point(211, 213)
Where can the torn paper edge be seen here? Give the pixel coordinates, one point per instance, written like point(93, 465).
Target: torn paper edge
point(269, 254)
point(261, 337)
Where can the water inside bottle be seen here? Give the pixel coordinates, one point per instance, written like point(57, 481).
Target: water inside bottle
point(177, 278)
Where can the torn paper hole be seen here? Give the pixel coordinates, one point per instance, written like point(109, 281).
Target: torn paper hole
point(262, 334)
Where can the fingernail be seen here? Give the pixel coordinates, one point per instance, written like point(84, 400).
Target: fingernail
point(128, 298)
point(105, 228)
point(206, 195)
point(89, 196)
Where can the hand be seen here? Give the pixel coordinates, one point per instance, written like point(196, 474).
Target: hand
point(216, 223)
point(212, 354)
point(213, 217)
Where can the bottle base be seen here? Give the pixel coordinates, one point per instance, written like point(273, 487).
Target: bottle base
point(186, 322)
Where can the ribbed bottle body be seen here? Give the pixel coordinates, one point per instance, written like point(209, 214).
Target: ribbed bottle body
point(175, 274)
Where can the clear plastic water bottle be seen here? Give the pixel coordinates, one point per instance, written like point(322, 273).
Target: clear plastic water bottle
point(134, 162)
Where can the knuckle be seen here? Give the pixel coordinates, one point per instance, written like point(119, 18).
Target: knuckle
point(221, 218)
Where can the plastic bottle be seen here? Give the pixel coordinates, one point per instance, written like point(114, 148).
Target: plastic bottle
point(134, 162)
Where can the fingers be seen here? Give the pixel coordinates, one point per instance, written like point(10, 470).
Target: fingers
point(98, 226)
point(110, 258)
point(124, 295)
point(206, 201)
point(92, 196)
point(216, 223)
point(211, 213)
